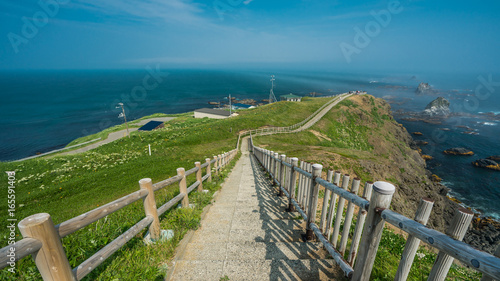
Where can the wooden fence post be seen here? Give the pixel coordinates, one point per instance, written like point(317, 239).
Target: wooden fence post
point(300, 199)
point(209, 170)
point(458, 228)
point(326, 198)
point(217, 164)
point(333, 201)
point(198, 176)
point(282, 173)
point(150, 208)
point(50, 260)
point(307, 189)
point(340, 211)
point(183, 187)
point(367, 193)
point(271, 164)
point(372, 232)
point(348, 217)
point(276, 169)
point(316, 173)
point(422, 216)
point(292, 183)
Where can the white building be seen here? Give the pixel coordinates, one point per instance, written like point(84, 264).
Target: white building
point(211, 113)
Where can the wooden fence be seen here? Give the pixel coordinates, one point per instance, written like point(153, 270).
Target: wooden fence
point(301, 181)
point(42, 239)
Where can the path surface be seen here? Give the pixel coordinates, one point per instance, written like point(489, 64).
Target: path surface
point(322, 113)
point(114, 136)
point(248, 235)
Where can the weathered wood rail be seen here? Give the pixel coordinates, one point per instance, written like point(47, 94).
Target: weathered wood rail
point(42, 239)
point(300, 182)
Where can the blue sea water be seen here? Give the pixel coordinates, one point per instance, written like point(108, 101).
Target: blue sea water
point(45, 110)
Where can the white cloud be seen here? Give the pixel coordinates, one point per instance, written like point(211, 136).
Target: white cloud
point(174, 11)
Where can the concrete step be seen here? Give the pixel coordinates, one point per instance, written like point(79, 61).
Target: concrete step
point(254, 251)
point(300, 269)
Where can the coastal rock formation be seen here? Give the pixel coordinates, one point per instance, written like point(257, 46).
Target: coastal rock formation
point(421, 142)
point(427, 157)
point(436, 178)
point(485, 234)
point(495, 158)
point(425, 89)
point(458, 151)
point(390, 154)
point(438, 107)
point(418, 134)
point(487, 163)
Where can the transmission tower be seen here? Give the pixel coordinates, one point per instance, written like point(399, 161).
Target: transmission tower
point(272, 97)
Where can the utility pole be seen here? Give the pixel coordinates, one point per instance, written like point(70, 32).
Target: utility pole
point(124, 117)
point(230, 106)
point(272, 97)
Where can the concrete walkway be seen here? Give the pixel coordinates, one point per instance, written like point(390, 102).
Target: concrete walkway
point(248, 235)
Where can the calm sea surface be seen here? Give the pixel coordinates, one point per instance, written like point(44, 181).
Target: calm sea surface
point(42, 111)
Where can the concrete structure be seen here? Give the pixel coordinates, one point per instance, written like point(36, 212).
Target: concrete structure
point(211, 113)
point(290, 97)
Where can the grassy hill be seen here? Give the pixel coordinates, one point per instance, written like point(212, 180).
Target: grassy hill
point(358, 137)
point(67, 186)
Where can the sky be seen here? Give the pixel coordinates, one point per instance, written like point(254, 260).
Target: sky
point(332, 35)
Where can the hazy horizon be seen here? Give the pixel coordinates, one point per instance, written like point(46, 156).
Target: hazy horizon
point(418, 36)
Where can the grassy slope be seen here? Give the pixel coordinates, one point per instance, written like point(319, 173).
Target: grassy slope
point(67, 186)
point(359, 137)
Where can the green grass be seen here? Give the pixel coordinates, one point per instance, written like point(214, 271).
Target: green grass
point(389, 254)
point(67, 186)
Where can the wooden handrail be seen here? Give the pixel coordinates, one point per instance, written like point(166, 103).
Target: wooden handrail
point(77, 223)
point(483, 262)
point(95, 260)
point(22, 248)
point(479, 260)
point(159, 185)
point(53, 233)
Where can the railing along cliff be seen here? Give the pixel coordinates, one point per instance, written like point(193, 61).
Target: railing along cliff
point(42, 239)
point(299, 126)
point(300, 183)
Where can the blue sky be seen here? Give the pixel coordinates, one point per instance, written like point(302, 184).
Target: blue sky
point(85, 34)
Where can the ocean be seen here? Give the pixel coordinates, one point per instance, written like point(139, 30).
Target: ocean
point(45, 110)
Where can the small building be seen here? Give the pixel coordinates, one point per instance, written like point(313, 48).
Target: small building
point(152, 125)
point(242, 106)
point(211, 113)
point(290, 97)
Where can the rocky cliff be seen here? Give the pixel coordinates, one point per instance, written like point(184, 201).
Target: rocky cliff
point(359, 137)
point(438, 107)
point(425, 89)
